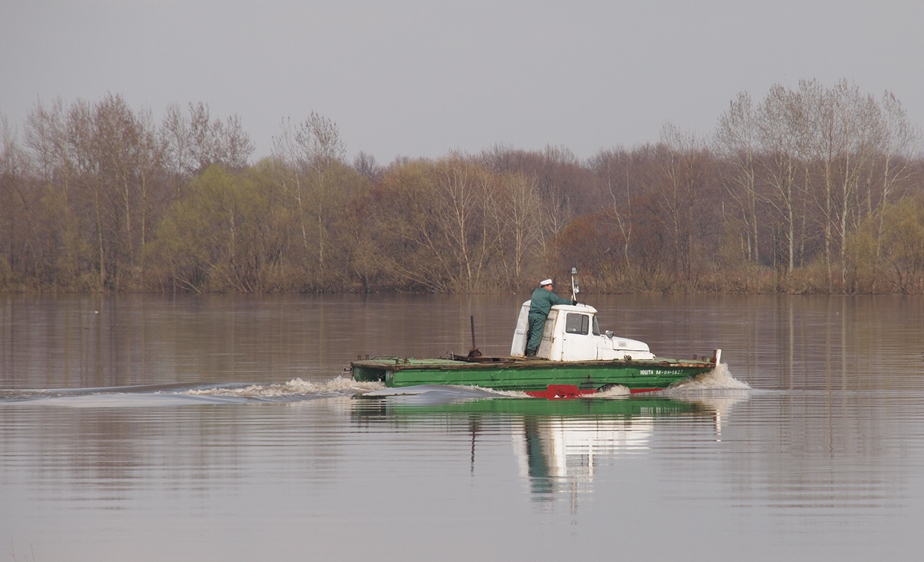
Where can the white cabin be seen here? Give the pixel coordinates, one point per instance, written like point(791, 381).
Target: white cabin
point(573, 334)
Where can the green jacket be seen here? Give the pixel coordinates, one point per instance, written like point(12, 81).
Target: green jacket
point(542, 301)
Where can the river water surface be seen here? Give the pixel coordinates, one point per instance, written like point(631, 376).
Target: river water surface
point(201, 428)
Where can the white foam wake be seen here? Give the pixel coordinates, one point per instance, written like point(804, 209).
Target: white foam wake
point(339, 386)
point(719, 378)
point(615, 391)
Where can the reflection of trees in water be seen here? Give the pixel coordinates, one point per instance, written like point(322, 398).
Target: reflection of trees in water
point(815, 342)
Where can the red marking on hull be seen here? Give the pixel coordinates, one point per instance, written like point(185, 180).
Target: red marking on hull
point(566, 391)
point(558, 391)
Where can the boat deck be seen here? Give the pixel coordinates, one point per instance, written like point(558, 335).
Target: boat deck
point(463, 362)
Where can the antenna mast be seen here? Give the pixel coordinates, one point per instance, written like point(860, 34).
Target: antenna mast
point(574, 284)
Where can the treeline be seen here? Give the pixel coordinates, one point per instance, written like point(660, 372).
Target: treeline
point(809, 190)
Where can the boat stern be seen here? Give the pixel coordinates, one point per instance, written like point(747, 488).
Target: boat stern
point(369, 370)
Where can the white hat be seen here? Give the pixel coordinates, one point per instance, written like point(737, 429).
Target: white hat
point(546, 282)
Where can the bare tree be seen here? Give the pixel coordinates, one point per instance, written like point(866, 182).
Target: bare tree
point(59, 248)
point(736, 140)
point(615, 168)
point(235, 145)
point(174, 134)
point(15, 215)
point(467, 193)
point(365, 164)
point(781, 133)
point(307, 156)
point(193, 143)
point(899, 143)
point(683, 169)
point(516, 218)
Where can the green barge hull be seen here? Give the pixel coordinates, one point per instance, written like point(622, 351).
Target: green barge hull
point(536, 377)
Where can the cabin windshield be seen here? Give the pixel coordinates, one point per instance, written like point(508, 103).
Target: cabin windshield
point(596, 326)
point(577, 323)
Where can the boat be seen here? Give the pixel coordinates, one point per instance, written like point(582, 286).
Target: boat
point(574, 359)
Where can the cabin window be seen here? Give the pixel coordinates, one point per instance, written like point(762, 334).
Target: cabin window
point(577, 324)
point(596, 327)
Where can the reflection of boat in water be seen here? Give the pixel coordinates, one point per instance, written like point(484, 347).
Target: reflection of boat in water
point(558, 444)
point(450, 404)
point(561, 454)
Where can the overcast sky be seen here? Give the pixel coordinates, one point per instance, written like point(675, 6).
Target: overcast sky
point(422, 78)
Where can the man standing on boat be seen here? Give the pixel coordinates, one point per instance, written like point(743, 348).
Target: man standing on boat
point(541, 302)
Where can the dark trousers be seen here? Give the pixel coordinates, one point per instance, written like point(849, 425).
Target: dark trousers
point(536, 327)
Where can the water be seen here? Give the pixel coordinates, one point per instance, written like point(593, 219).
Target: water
point(220, 428)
